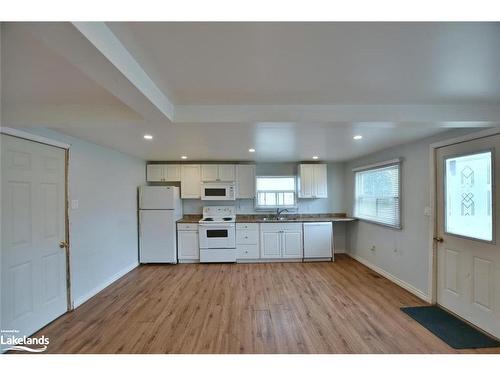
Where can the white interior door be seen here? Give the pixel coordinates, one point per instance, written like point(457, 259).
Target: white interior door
point(33, 225)
point(467, 237)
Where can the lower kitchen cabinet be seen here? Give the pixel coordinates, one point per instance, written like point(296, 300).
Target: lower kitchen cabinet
point(247, 252)
point(270, 243)
point(281, 241)
point(292, 244)
point(188, 247)
point(247, 241)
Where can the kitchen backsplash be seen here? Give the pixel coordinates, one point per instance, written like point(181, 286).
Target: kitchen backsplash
point(246, 206)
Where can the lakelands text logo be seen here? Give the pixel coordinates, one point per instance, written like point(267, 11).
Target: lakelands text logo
point(10, 340)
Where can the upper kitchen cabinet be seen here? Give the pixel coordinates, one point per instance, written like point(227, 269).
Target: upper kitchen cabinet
point(245, 181)
point(313, 181)
point(163, 172)
point(190, 181)
point(218, 172)
point(154, 172)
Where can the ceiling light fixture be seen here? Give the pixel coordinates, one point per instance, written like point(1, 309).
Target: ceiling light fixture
point(315, 157)
point(251, 150)
point(148, 136)
point(184, 157)
point(357, 137)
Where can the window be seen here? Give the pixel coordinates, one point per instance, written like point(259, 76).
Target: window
point(468, 196)
point(275, 192)
point(377, 193)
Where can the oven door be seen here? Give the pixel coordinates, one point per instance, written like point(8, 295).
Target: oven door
point(215, 236)
point(217, 191)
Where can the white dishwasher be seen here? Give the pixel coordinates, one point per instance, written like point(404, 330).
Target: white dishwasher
point(318, 241)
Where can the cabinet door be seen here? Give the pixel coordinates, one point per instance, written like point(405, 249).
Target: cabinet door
point(154, 172)
point(270, 244)
point(245, 181)
point(209, 172)
point(292, 244)
point(227, 172)
point(190, 181)
point(306, 173)
point(320, 181)
point(172, 172)
point(188, 246)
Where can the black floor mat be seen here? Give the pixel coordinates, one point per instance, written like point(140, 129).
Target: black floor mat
point(453, 331)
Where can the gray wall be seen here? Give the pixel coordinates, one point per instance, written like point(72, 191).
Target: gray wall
point(401, 253)
point(103, 230)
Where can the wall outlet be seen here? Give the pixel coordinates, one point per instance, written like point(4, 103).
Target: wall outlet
point(74, 204)
point(427, 211)
point(373, 248)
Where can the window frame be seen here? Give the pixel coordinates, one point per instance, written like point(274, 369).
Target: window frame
point(388, 163)
point(258, 207)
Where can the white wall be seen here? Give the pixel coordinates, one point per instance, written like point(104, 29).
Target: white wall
point(103, 230)
point(402, 254)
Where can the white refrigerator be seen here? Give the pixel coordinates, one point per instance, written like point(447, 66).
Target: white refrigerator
point(159, 209)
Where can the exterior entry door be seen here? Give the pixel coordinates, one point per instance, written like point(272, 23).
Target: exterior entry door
point(467, 238)
point(33, 285)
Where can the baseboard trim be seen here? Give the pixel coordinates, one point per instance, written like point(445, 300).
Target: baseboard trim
point(80, 301)
point(403, 284)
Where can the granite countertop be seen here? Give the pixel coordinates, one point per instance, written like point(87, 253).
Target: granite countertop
point(189, 219)
point(334, 217)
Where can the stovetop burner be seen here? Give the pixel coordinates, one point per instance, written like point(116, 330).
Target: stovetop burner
point(208, 219)
point(227, 218)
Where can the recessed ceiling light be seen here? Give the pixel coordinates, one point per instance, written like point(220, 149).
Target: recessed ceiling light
point(148, 136)
point(251, 150)
point(357, 137)
point(184, 157)
point(315, 157)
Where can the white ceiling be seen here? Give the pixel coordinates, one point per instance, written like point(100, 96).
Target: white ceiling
point(300, 76)
point(319, 63)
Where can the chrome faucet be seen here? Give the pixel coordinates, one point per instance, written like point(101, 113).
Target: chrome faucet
point(279, 212)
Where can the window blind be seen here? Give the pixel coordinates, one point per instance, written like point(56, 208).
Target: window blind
point(377, 194)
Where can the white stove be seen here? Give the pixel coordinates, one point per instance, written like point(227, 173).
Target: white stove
point(217, 234)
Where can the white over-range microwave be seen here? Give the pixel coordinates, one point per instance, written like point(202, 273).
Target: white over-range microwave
point(218, 191)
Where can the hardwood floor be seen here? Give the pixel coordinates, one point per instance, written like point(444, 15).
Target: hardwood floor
point(340, 307)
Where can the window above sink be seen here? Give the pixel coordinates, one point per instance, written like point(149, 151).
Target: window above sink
point(274, 192)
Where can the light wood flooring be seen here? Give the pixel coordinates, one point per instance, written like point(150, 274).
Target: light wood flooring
point(340, 307)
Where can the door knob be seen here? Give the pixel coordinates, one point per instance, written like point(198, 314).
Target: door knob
point(63, 244)
point(439, 239)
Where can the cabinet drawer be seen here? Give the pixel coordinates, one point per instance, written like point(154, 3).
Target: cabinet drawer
point(185, 226)
point(250, 237)
point(247, 251)
point(247, 226)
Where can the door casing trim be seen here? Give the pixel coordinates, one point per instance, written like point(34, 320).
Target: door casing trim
point(432, 248)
